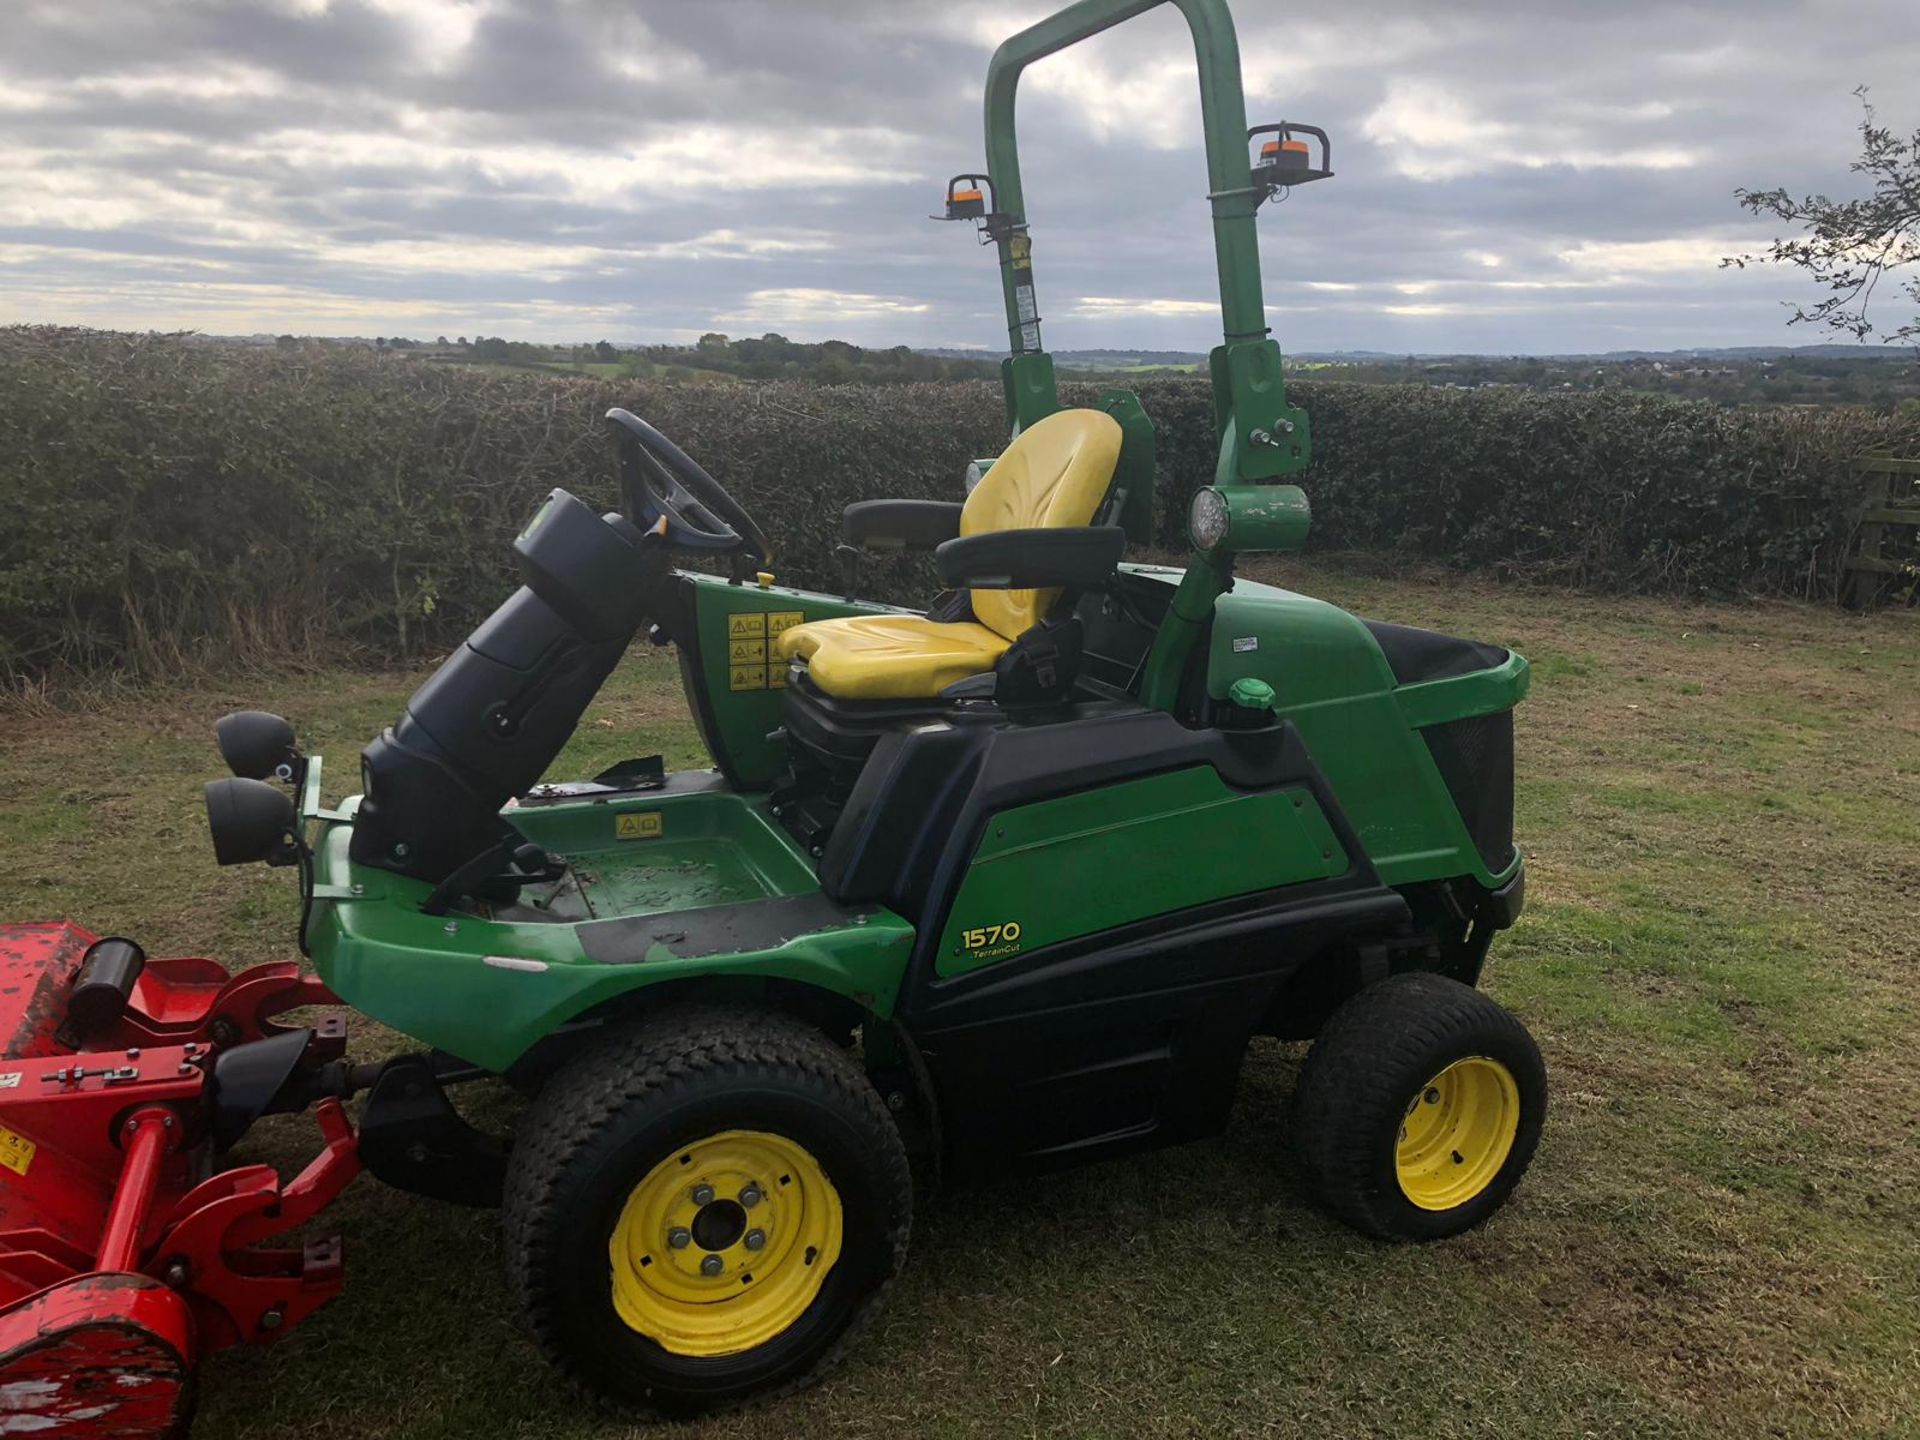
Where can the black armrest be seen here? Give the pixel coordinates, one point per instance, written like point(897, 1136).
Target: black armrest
point(901, 524)
point(1029, 559)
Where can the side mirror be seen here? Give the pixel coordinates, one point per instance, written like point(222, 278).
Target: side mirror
point(258, 746)
point(250, 821)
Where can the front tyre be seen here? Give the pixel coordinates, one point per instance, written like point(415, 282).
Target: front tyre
point(703, 1210)
point(1419, 1108)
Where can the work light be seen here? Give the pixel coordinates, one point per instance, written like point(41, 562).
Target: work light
point(1207, 518)
point(251, 821)
point(257, 745)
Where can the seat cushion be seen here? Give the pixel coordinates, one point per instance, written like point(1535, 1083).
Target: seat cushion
point(1056, 473)
point(890, 657)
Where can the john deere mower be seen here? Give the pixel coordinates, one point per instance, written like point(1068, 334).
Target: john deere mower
point(1006, 884)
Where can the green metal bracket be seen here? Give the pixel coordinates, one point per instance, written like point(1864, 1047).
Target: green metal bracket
point(1028, 384)
point(1133, 475)
point(310, 788)
point(311, 807)
point(1262, 437)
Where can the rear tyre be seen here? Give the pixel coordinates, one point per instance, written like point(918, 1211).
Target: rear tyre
point(1419, 1108)
point(704, 1210)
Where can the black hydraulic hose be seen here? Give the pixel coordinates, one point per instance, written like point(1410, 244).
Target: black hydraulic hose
point(306, 894)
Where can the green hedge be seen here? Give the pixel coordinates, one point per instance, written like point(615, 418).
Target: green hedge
point(163, 499)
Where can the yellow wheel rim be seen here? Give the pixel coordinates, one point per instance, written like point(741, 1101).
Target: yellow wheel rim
point(725, 1243)
point(1457, 1133)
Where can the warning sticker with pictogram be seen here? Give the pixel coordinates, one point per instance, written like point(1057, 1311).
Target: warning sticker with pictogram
point(639, 825)
point(753, 662)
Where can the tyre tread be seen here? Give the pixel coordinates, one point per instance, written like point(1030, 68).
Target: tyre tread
point(635, 1064)
point(1358, 1068)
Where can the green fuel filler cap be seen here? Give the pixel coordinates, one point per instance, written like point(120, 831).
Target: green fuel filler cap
point(1251, 694)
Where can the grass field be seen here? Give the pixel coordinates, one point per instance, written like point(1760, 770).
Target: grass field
point(1720, 1237)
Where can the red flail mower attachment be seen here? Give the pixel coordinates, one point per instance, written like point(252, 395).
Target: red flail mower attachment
point(123, 1256)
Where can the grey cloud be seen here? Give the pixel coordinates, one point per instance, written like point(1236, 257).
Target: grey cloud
point(816, 135)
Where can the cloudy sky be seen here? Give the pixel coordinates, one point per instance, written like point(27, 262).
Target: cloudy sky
point(1535, 175)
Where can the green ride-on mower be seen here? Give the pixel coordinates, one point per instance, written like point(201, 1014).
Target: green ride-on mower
point(1003, 885)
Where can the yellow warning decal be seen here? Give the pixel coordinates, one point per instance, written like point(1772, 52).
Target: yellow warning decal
point(640, 825)
point(751, 661)
point(16, 1151)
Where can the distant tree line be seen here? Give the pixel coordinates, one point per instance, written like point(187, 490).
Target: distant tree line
point(830, 362)
point(713, 356)
point(1879, 382)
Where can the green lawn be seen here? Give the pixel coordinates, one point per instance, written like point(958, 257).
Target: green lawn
point(1720, 1237)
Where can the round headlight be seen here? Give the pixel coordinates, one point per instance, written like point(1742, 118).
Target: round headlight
point(1207, 518)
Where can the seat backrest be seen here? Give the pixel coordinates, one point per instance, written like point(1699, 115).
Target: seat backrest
point(1056, 473)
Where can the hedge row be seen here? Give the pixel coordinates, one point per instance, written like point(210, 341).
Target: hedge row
point(162, 498)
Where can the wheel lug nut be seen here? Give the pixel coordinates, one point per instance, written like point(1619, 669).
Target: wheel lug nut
point(755, 1239)
point(703, 1194)
point(679, 1237)
point(750, 1196)
point(712, 1265)
point(1433, 1097)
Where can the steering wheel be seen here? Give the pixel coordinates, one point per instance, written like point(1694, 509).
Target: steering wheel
point(664, 487)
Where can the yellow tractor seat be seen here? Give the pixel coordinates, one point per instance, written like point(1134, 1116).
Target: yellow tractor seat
point(891, 657)
point(1054, 475)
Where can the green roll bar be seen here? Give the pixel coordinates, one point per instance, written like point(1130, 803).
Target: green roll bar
point(1223, 114)
point(1262, 438)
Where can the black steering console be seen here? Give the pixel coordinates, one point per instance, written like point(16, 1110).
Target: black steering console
point(489, 722)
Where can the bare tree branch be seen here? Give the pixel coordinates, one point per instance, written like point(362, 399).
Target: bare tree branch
point(1851, 246)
